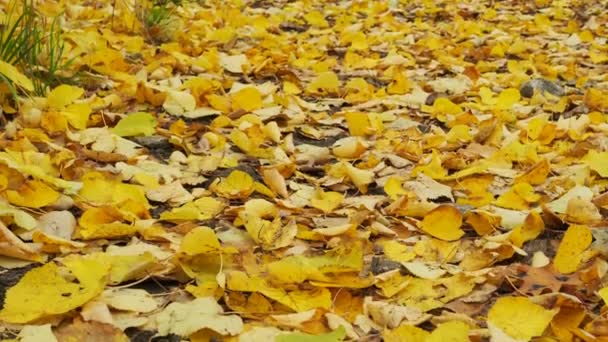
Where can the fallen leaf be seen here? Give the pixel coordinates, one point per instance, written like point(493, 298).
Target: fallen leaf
point(32, 194)
point(569, 254)
point(391, 315)
point(326, 201)
point(136, 300)
point(506, 315)
point(233, 63)
point(183, 319)
point(11, 245)
point(443, 223)
point(93, 331)
point(450, 331)
point(595, 161)
point(138, 123)
point(334, 336)
point(13, 74)
point(35, 333)
point(179, 103)
point(406, 333)
point(200, 240)
point(247, 99)
point(44, 291)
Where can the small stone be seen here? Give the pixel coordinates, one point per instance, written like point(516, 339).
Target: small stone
point(540, 84)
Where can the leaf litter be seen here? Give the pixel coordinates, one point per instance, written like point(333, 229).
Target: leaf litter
point(311, 171)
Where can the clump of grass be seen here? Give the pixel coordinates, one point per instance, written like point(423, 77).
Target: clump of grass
point(47, 66)
point(19, 33)
point(35, 47)
point(157, 19)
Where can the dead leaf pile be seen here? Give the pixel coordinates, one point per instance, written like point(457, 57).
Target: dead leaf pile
point(311, 171)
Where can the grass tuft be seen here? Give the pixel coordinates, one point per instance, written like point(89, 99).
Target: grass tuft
point(33, 45)
point(158, 20)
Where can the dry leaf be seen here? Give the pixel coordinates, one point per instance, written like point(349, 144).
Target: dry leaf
point(506, 315)
point(569, 254)
point(443, 223)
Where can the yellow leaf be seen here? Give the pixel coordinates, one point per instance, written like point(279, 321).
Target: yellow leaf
point(297, 269)
point(582, 211)
point(21, 163)
point(597, 56)
point(221, 103)
point(359, 41)
point(597, 162)
point(392, 284)
point(443, 223)
point(290, 88)
point(224, 35)
point(63, 95)
point(360, 124)
point(128, 267)
point(316, 18)
point(361, 178)
point(247, 99)
point(324, 82)
point(337, 335)
point(139, 123)
point(21, 218)
point(526, 192)
point(457, 286)
point(399, 85)
point(104, 222)
point(482, 221)
point(511, 200)
point(99, 190)
point(536, 175)
point(15, 76)
point(393, 188)
point(459, 134)
point(12, 246)
point(270, 234)
point(357, 123)
point(298, 300)
point(136, 300)
point(453, 331)
point(433, 169)
point(238, 184)
point(350, 147)
point(184, 319)
point(204, 208)
point(397, 251)
point(603, 292)
point(275, 180)
point(507, 98)
point(596, 99)
point(532, 227)
point(570, 251)
point(506, 314)
point(179, 103)
point(487, 96)
point(35, 333)
point(32, 194)
point(200, 240)
point(260, 208)
point(406, 332)
point(421, 294)
point(77, 114)
point(326, 201)
point(44, 291)
point(443, 106)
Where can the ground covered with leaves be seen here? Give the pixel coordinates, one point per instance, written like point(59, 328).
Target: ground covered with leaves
point(304, 171)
